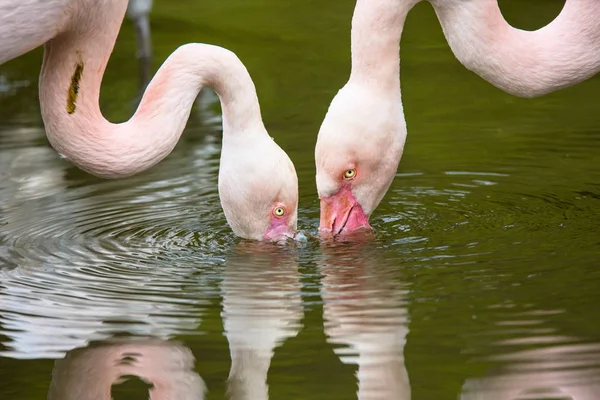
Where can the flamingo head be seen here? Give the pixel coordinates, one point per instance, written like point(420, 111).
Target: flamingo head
point(358, 149)
point(258, 188)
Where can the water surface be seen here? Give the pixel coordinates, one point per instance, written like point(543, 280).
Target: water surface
point(481, 283)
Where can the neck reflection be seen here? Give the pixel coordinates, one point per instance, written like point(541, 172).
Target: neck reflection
point(262, 307)
point(364, 311)
point(563, 372)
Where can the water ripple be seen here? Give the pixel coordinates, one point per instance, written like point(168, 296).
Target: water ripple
point(96, 258)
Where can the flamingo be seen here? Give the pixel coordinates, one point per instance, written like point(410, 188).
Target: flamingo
point(258, 185)
point(362, 137)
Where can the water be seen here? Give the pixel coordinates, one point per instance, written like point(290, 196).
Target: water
point(481, 283)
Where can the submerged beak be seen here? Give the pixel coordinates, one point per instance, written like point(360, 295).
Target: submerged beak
point(279, 230)
point(342, 214)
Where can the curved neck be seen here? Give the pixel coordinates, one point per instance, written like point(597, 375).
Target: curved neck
point(375, 41)
point(523, 63)
point(70, 80)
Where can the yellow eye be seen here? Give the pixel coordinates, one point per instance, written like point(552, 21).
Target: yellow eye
point(279, 211)
point(350, 173)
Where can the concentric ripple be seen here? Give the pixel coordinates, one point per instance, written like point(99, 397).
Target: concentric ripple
point(99, 257)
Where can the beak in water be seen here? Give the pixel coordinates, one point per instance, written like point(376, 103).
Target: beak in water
point(279, 230)
point(341, 214)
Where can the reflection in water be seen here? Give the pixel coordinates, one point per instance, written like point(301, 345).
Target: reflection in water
point(364, 309)
point(83, 261)
point(88, 373)
point(28, 172)
point(262, 307)
point(567, 372)
point(10, 88)
point(46, 313)
point(48, 213)
point(49, 310)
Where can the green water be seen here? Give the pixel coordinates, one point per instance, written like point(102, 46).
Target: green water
point(483, 277)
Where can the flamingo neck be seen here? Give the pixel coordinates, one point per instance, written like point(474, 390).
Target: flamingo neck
point(70, 80)
point(523, 63)
point(375, 42)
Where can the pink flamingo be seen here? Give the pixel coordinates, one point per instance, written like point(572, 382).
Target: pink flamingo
point(362, 137)
point(258, 186)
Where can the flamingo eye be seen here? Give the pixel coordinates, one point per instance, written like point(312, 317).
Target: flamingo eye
point(279, 211)
point(349, 173)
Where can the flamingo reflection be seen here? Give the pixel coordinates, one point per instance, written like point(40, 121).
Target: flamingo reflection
point(364, 310)
point(262, 308)
point(88, 373)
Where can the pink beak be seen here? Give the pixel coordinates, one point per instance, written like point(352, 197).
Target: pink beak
point(278, 230)
point(342, 214)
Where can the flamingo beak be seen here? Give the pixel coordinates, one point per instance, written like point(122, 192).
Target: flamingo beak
point(342, 214)
point(279, 230)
